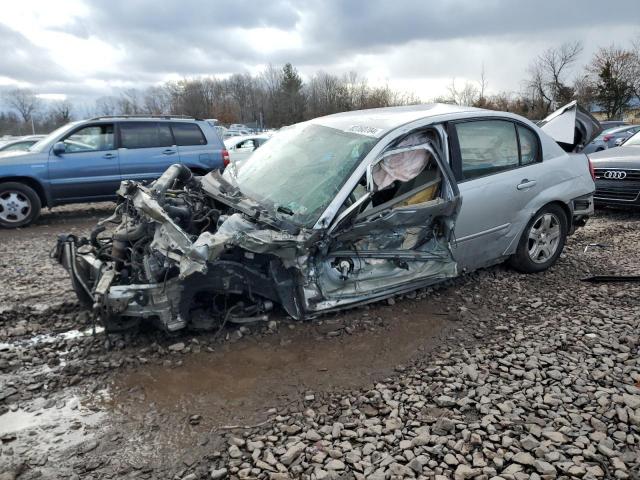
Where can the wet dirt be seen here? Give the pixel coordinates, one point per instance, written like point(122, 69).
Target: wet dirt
point(146, 411)
point(44, 432)
point(237, 385)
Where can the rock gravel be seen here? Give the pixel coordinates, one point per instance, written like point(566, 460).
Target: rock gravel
point(530, 376)
point(555, 395)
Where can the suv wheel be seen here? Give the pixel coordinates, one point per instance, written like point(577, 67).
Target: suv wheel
point(19, 205)
point(542, 240)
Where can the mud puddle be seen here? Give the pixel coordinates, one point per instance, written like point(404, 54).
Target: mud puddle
point(238, 384)
point(45, 338)
point(40, 432)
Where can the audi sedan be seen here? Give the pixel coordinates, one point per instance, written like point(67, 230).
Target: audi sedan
point(618, 175)
point(337, 212)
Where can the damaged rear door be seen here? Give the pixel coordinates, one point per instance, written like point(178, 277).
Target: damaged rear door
point(393, 232)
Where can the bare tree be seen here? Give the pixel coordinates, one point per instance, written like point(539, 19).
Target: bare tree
point(60, 112)
point(635, 49)
point(482, 85)
point(467, 95)
point(548, 75)
point(106, 106)
point(130, 103)
point(155, 101)
point(24, 101)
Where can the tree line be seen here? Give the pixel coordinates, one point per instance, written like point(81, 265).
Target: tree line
point(279, 96)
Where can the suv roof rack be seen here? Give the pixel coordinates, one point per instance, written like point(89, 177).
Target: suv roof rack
point(166, 117)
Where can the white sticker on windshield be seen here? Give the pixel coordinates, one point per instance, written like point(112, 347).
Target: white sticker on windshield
point(364, 130)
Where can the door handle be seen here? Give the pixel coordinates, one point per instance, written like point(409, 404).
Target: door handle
point(109, 155)
point(526, 183)
point(169, 151)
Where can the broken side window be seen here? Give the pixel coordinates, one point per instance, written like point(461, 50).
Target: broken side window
point(408, 173)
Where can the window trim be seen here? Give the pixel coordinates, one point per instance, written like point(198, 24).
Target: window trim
point(157, 125)
point(173, 124)
point(86, 125)
point(539, 143)
point(456, 154)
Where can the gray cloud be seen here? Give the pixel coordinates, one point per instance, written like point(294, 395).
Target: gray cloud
point(22, 61)
point(413, 39)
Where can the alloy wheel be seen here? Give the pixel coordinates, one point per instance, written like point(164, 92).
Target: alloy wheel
point(544, 238)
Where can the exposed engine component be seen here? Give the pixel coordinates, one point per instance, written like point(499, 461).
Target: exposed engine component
point(131, 246)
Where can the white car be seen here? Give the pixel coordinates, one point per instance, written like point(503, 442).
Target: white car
point(240, 148)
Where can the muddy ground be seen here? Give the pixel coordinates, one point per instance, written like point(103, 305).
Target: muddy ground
point(74, 403)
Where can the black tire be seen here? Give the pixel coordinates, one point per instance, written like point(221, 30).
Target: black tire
point(19, 205)
point(538, 248)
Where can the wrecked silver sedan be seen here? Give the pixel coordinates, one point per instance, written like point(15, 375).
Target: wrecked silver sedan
point(332, 213)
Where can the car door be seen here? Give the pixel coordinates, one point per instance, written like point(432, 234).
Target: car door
point(498, 166)
point(192, 144)
point(393, 234)
point(88, 167)
point(146, 150)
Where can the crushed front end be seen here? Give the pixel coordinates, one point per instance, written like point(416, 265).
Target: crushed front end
point(335, 228)
point(173, 253)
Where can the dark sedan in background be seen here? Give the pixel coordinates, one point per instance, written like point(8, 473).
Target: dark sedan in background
point(618, 174)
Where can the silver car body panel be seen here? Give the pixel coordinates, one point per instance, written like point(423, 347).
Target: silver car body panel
point(349, 257)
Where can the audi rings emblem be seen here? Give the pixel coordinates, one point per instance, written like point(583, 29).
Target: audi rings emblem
point(615, 174)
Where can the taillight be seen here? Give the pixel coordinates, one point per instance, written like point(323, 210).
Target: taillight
point(591, 170)
point(225, 158)
point(606, 138)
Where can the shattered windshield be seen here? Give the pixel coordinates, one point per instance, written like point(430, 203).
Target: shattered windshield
point(301, 169)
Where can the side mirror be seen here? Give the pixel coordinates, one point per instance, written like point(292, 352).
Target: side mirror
point(59, 148)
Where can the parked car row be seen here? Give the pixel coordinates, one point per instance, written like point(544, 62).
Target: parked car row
point(85, 161)
point(611, 138)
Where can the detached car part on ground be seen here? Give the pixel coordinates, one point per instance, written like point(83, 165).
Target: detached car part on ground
point(335, 212)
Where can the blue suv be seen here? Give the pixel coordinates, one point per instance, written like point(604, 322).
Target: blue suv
point(85, 161)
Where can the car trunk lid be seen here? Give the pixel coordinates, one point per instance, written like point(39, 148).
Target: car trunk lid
point(571, 126)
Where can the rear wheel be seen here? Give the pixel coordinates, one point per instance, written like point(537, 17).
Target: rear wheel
point(542, 240)
point(19, 205)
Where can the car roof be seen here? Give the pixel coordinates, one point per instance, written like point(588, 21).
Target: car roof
point(388, 118)
point(150, 118)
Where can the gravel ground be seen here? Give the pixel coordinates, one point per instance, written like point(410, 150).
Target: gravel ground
point(494, 375)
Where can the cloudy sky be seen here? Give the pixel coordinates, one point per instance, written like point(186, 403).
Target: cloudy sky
point(87, 48)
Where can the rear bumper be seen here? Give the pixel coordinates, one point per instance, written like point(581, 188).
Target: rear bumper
point(582, 208)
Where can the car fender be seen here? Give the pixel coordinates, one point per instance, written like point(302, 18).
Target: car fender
point(33, 170)
point(571, 179)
